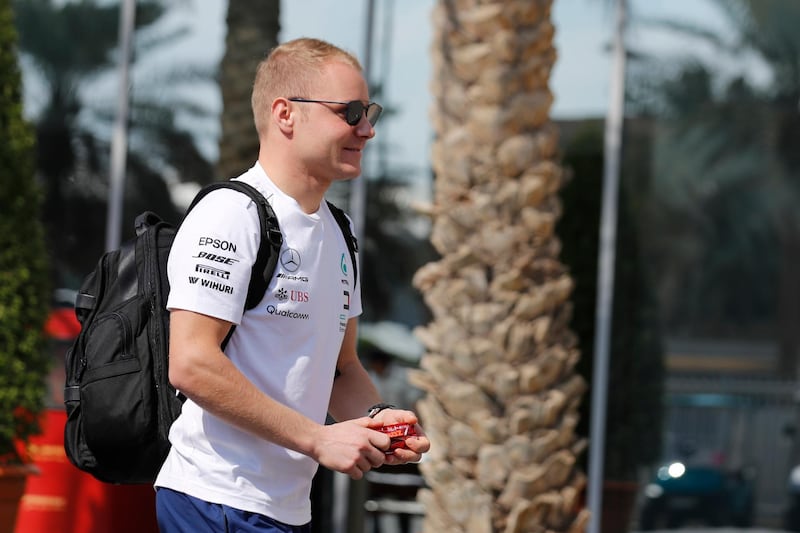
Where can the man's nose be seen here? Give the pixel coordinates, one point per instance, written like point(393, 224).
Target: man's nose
point(364, 128)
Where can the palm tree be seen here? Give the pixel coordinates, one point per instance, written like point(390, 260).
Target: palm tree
point(253, 27)
point(499, 370)
point(70, 46)
point(727, 172)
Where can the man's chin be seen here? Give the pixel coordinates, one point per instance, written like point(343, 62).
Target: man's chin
point(349, 173)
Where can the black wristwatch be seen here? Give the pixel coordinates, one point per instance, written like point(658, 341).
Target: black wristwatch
point(377, 408)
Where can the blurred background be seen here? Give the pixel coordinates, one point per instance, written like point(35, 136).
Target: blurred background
point(702, 424)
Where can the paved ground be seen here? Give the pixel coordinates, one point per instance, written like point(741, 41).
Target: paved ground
point(690, 529)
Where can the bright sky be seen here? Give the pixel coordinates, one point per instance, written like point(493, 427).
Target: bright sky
point(400, 55)
point(579, 82)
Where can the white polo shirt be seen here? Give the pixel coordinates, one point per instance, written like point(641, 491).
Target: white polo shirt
point(287, 345)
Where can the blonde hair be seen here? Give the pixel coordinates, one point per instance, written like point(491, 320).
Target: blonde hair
point(290, 70)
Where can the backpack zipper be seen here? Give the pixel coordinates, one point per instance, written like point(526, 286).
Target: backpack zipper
point(127, 334)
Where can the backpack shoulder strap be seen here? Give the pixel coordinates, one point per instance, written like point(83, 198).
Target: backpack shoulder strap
point(350, 239)
point(271, 238)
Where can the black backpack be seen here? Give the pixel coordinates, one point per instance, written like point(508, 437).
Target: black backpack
point(120, 404)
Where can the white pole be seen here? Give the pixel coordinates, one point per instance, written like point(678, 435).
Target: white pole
point(358, 186)
point(347, 498)
point(119, 139)
point(605, 272)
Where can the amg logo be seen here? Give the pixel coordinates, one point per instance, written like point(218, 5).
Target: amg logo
point(221, 287)
point(213, 271)
point(281, 275)
point(216, 258)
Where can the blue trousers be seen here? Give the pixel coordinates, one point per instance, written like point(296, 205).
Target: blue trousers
point(181, 513)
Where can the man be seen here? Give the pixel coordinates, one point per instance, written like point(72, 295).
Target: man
point(252, 432)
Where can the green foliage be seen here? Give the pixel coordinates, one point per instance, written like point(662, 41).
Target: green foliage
point(725, 176)
point(70, 45)
point(634, 410)
point(23, 266)
point(79, 22)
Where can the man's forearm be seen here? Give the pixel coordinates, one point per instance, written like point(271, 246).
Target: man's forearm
point(229, 395)
point(353, 393)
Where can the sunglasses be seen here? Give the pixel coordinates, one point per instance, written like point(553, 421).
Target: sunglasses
point(353, 111)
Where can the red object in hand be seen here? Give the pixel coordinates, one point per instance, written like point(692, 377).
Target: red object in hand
point(398, 434)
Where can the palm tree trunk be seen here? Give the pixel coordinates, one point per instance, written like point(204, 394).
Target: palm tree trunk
point(499, 368)
point(253, 27)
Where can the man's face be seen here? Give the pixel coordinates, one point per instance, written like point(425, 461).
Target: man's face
point(330, 148)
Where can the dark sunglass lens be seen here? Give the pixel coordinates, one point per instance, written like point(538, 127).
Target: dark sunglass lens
point(354, 111)
point(374, 113)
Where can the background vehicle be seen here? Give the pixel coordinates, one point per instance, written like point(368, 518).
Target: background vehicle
point(791, 518)
point(698, 493)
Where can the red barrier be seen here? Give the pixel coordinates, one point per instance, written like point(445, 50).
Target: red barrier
point(65, 499)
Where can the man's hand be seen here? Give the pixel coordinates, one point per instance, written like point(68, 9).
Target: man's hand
point(351, 447)
point(415, 445)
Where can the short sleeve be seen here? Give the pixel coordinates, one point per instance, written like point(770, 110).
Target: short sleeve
point(212, 256)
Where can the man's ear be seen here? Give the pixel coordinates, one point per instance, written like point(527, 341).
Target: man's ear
point(283, 114)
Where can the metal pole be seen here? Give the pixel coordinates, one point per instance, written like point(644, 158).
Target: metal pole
point(119, 139)
point(358, 186)
point(605, 273)
point(348, 500)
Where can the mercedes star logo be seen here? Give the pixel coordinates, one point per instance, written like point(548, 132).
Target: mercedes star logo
point(290, 260)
